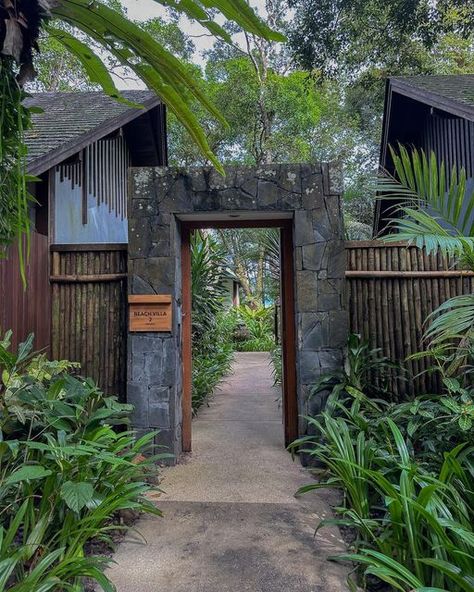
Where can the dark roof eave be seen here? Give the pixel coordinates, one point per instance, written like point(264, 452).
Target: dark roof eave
point(44, 163)
point(432, 98)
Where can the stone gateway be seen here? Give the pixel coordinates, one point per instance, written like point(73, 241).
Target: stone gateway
point(307, 197)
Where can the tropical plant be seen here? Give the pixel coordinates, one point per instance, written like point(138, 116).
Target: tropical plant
point(435, 211)
point(361, 364)
point(212, 359)
point(211, 325)
point(15, 199)
point(412, 519)
point(277, 364)
point(257, 329)
point(67, 474)
point(209, 281)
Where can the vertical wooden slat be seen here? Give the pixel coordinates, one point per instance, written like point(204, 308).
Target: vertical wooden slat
point(186, 336)
point(88, 319)
point(391, 311)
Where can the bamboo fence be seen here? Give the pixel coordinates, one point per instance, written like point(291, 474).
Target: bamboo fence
point(391, 290)
point(89, 308)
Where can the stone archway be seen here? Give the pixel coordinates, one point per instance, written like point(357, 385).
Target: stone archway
point(162, 201)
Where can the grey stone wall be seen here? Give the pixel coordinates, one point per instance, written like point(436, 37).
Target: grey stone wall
point(311, 193)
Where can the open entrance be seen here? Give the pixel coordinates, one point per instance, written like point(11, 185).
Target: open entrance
point(285, 322)
point(166, 205)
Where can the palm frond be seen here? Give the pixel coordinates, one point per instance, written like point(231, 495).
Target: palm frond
point(428, 212)
point(452, 319)
point(435, 216)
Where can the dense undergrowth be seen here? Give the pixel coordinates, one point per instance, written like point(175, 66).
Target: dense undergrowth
point(406, 471)
point(69, 473)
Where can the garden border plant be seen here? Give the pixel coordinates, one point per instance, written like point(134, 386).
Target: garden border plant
point(69, 471)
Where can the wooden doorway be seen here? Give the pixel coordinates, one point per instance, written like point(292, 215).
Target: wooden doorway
point(288, 333)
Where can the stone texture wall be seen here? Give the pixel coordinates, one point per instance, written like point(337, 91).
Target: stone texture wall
point(311, 193)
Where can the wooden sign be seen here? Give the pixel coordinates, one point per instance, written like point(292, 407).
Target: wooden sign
point(150, 312)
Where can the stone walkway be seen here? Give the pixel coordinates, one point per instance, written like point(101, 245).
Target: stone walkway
point(231, 522)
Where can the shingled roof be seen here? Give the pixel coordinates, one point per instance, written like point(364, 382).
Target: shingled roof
point(72, 120)
point(451, 93)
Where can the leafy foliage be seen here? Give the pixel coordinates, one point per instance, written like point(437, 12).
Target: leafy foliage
point(14, 197)
point(410, 507)
point(254, 329)
point(212, 358)
point(435, 211)
point(209, 276)
point(104, 29)
point(66, 474)
point(361, 363)
point(212, 336)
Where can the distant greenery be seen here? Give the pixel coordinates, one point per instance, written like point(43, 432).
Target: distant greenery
point(254, 331)
point(70, 473)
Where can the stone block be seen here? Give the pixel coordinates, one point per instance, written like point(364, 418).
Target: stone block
point(141, 183)
point(312, 188)
point(336, 222)
point(336, 259)
point(309, 367)
point(289, 200)
point(137, 367)
point(137, 395)
point(339, 328)
point(298, 258)
point(304, 233)
point(327, 302)
point(153, 366)
point(159, 272)
point(306, 291)
point(235, 199)
point(206, 201)
point(139, 285)
point(198, 179)
point(141, 344)
point(249, 186)
point(169, 360)
point(165, 443)
point(269, 193)
point(314, 331)
point(331, 360)
point(315, 257)
point(159, 407)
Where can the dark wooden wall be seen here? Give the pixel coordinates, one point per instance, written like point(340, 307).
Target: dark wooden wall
point(452, 140)
point(26, 310)
point(391, 290)
point(89, 306)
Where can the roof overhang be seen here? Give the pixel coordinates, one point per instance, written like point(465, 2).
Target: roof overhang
point(65, 151)
point(431, 98)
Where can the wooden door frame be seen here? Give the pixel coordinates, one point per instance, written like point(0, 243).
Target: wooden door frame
point(288, 341)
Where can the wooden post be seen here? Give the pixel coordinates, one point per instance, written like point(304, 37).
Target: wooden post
point(186, 336)
point(288, 335)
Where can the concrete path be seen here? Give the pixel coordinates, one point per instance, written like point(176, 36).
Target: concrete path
point(231, 522)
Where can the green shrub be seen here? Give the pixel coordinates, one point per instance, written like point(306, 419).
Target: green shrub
point(212, 360)
point(66, 473)
point(258, 329)
point(212, 327)
point(406, 471)
point(414, 526)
